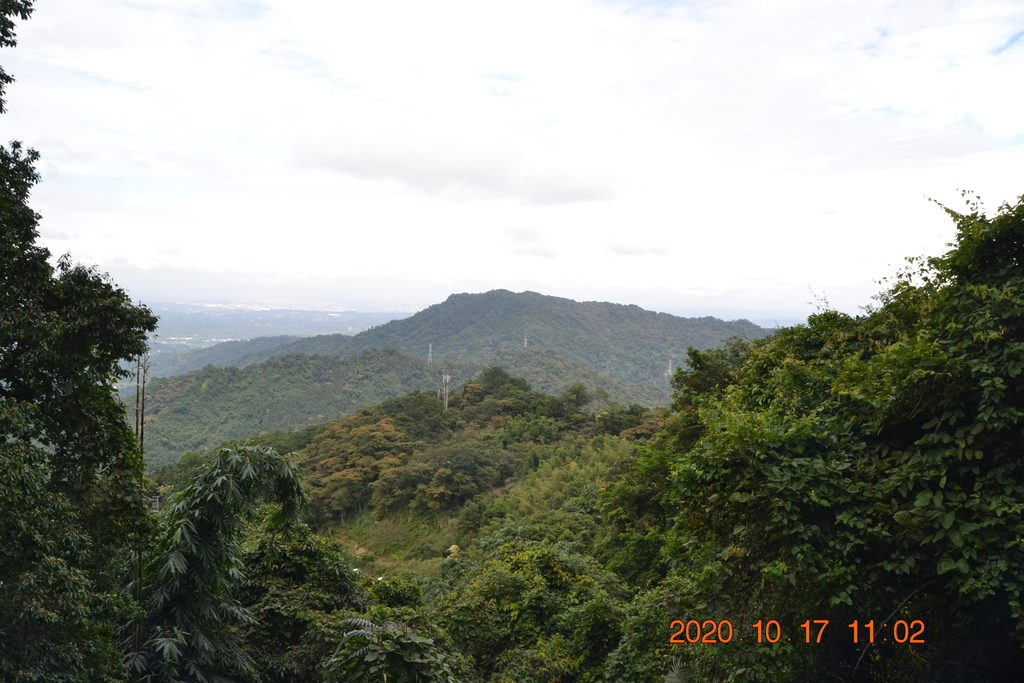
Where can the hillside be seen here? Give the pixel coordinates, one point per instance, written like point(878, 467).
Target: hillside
point(620, 353)
point(201, 409)
point(626, 343)
point(864, 470)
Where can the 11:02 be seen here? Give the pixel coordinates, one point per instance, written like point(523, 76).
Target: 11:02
point(902, 632)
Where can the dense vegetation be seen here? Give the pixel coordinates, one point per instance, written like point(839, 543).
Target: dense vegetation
point(846, 494)
point(71, 492)
point(198, 410)
point(416, 484)
point(869, 468)
point(626, 343)
point(621, 353)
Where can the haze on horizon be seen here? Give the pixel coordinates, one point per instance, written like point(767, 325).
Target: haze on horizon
point(700, 157)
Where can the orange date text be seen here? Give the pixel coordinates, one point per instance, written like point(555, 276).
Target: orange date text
point(811, 631)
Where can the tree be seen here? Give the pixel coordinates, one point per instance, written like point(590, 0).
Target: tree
point(189, 588)
point(390, 651)
point(533, 611)
point(189, 584)
point(72, 494)
point(868, 469)
point(291, 586)
point(8, 9)
point(54, 618)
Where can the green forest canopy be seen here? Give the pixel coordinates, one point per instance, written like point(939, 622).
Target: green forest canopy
point(855, 469)
point(861, 474)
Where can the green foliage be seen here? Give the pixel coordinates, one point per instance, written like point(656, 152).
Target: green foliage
point(558, 501)
point(370, 461)
point(389, 651)
point(189, 586)
point(348, 456)
point(418, 415)
point(54, 617)
point(616, 419)
point(869, 468)
point(644, 652)
point(292, 583)
point(532, 612)
point(392, 591)
point(203, 409)
point(70, 493)
point(637, 506)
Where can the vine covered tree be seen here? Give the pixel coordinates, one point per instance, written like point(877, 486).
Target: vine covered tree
point(868, 469)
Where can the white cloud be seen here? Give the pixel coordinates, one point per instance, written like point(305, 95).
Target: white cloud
point(528, 242)
point(760, 145)
point(622, 249)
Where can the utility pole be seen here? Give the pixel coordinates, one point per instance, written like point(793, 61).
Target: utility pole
point(141, 372)
point(446, 382)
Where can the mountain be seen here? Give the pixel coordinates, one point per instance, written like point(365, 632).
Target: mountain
point(625, 343)
point(623, 352)
point(200, 410)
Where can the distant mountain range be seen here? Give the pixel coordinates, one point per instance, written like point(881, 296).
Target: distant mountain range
point(288, 383)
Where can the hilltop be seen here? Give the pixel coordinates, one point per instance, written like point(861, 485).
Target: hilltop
point(622, 353)
point(624, 342)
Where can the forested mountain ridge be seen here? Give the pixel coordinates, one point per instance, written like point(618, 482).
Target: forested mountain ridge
point(200, 409)
point(621, 353)
point(624, 342)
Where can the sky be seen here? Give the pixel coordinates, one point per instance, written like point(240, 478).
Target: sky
point(734, 157)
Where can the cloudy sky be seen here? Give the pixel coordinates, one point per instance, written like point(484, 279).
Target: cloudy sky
point(702, 156)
